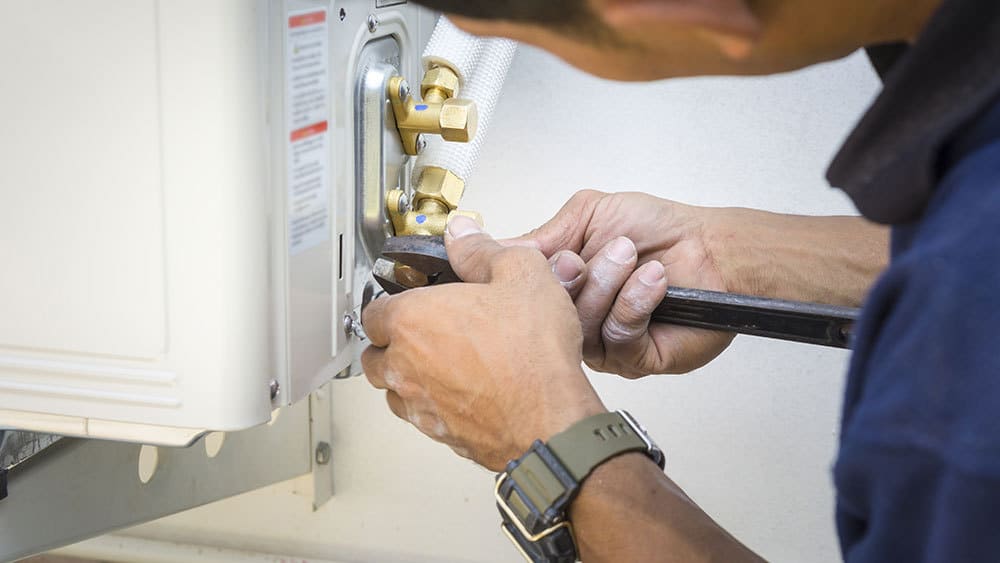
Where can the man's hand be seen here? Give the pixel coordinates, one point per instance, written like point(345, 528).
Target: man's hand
point(617, 284)
point(614, 254)
point(487, 366)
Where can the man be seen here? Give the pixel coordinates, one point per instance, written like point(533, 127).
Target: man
point(918, 473)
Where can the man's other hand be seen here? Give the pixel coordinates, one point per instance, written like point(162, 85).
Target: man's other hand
point(486, 366)
point(614, 254)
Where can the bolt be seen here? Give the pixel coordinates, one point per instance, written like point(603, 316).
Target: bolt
point(343, 14)
point(404, 90)
point(372, 23)
point(275, 389)
point(322, 453)
point(353, 328)
point(421, 143)
point(404, 203)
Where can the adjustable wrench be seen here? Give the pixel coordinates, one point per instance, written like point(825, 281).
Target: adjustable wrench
point(408, 262)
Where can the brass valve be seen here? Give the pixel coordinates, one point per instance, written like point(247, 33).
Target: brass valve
point(435, 200)
point(440, 113)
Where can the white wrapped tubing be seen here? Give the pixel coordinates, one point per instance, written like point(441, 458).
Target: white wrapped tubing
point(484, 88)
point(453, 48)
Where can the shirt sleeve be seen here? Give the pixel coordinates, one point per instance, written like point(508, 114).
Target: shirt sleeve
point(918, 474)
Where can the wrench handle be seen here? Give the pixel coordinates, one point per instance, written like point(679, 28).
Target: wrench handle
point(810, 323)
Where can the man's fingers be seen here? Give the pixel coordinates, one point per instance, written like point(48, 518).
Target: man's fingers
point(396, 404)
point(626, 329)
point(426, 422)
point(682, 349)
point(470, 250)
point(376, 318)
point(373, 364)
point(477, 258)
point(607, 273)
point(570, 270)
point(566, 230)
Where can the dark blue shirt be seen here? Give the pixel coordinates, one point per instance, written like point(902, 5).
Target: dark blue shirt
point(918, 474)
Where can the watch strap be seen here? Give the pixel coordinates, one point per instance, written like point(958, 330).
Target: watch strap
point(535, 491)
point(596, 439)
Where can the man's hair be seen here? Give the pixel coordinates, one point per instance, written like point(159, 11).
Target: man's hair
point(556, 13)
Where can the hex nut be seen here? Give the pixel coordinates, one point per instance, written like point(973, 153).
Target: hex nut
point(440, 185)
point(440, 78)
point(459, 120)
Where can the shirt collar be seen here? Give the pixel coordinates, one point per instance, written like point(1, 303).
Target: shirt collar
point(891, 162)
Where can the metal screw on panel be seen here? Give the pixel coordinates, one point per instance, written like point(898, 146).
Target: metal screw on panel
point(372, 23)
point(343, 14)
point(404, 90)
point(421, 143)
point(322, 453)
point(404, 203)
point(275, 389)
point(349, 325)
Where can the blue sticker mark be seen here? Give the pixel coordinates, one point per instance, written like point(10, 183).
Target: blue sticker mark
point(421, 107)
point(421, 219)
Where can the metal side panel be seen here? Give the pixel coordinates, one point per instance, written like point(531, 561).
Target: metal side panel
point(79, 489)
point(316, 276)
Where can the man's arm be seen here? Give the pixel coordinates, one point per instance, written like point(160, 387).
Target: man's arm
point(832, 260)
point(628, 510)
point(489, 366)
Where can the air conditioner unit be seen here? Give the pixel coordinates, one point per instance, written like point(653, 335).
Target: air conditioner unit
point(192, 197)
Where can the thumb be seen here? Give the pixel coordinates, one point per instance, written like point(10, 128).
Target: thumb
point(566, 230)
point(471, 251)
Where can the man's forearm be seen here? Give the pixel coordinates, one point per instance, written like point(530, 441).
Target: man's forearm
point(831, 260)
point(628, 510)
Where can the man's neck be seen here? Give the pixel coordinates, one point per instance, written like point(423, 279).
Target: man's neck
point(906, 19)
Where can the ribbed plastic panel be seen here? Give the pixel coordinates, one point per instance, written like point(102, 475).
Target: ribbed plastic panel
point(454, 48)
point(484, 88)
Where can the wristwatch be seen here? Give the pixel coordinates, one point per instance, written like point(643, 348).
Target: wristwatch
point(535, 491)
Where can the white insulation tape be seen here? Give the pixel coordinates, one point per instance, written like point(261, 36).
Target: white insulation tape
point(453, 48)
point(484, 87)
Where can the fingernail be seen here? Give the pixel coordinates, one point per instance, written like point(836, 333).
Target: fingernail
point(566, 269)
point(461, 226)
point(622, 251)
point(652, 273)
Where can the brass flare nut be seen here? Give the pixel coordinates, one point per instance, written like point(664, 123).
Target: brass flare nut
point(435, 200)
point(439, 84)
point(440, 185)
point(454, 119)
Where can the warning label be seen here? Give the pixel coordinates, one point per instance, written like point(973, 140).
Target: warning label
point(308, 106)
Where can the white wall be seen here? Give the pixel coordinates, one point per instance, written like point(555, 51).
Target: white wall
point(751, 437)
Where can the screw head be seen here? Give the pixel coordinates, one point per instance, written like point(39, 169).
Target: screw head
point(349, 325)
point(403, 203)
point(323, 453)
point(421, 143)
point(372, 23)
point(343, 14)
point(404, 90)
point(275, 389)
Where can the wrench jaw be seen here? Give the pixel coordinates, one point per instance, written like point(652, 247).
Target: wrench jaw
point(409, 262)
point(384, 272)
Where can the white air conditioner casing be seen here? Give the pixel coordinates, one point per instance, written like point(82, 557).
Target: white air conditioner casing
point(177, 207)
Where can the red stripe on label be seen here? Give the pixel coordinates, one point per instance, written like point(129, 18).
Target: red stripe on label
point(302, 20)
point(310, 131)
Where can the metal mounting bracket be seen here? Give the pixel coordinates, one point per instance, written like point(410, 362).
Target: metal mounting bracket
point(79, 489)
